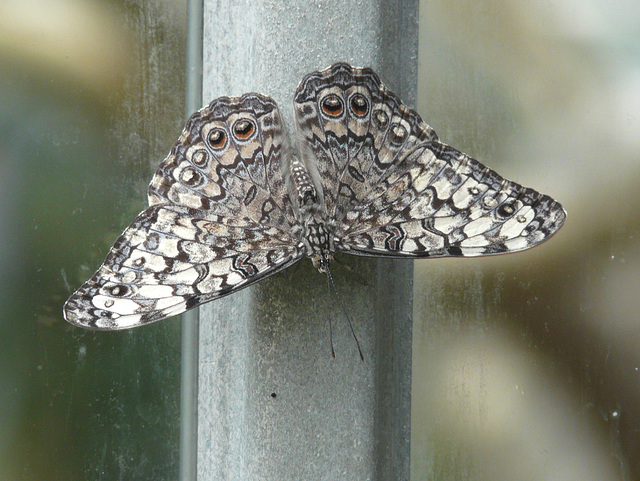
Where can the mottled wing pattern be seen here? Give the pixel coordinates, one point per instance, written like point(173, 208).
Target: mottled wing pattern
point(353, 145)
point(393, 189)
point(219, 220)
point(228, 161)
point(220, 215)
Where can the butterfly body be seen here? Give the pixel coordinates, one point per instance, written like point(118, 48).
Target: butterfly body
point(315, 229)
point(232, 203)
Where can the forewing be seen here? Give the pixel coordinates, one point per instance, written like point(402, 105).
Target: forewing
point(355, 131)
point(219, 219)
point(174, 258)
point(394, 189)
point(228, 161)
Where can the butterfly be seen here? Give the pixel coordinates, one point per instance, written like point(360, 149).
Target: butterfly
point(234, 203)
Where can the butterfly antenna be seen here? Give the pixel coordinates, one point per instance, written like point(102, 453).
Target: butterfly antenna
point(330, 284)
point(333, 353)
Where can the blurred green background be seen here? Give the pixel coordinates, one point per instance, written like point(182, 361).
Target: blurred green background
point(92, 97)
point(526, 367)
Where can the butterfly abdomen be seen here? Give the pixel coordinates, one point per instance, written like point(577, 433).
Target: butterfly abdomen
point(317, 231)
point(304, 189)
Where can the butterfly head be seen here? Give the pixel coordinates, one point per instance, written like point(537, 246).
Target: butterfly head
point(321, 262)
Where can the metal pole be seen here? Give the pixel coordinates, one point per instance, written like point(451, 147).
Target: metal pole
point(190, 320)
point(272, 403)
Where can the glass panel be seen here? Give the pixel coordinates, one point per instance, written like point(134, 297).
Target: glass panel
point(92, 97)
point(526, 366)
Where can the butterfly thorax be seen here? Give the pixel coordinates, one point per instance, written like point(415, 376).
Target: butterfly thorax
point(317, 236)
point(317, 231)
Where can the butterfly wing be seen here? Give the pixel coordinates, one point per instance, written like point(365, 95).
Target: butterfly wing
point(219, 220)
point(393, 189)
point(228, 161)
point(172, 258)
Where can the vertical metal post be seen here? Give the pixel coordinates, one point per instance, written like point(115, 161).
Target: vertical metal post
point(272, 404)
point(190, 320)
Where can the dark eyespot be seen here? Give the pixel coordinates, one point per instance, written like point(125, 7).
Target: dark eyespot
point(191, 177)
point(332, 106)
point(243, 129)
point(506, 210)
point(359, 105)
point(119, 291)
point(200, 158)
point(397, 134)
point(217, 138)
point(381, 118)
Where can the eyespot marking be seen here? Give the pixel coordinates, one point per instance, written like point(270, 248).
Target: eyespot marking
point(332, 106)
